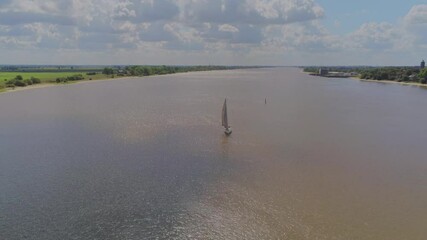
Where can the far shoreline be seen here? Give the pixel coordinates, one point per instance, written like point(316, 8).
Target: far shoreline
point(414, 84)
point(46, 85)
point(391, 82)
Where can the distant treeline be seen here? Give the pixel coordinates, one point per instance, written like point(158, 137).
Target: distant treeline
point(314, 69)
point(75, 77)
point(47, 69)
point(160, 70)
point(399, 74)
point(117, 69)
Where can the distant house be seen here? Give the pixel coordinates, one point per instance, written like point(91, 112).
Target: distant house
point(323, 72)
point(423, 64)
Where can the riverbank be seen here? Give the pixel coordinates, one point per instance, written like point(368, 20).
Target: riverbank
point(53, 84)
point(44, 85)
point(416, 84)
point(391, 82)
point(404, 75)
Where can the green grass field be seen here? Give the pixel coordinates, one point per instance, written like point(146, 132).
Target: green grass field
point(47, 77)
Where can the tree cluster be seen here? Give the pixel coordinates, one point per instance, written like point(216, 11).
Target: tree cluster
point(108, 71)
point(19, 81)
point(399, 74)
point(149, 70)
point(75, 77)
point(423, 76)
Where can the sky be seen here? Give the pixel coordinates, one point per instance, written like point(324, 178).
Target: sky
point(213, 32)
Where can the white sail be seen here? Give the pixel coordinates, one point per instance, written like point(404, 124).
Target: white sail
point(224, 114)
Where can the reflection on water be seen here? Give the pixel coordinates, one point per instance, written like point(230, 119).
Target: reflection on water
point(147, 159)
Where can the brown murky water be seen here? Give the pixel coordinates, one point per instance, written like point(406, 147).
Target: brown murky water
point(147, 159)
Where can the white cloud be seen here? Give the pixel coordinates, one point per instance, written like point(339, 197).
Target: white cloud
point(286, 11)
point(415, 23)
point(34, 6)
point(227, 28)
point(256, 12)
point(377, 36)
point(417, 15)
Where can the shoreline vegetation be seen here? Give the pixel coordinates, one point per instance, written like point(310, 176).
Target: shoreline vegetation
point(14, 78)
point(409, 76)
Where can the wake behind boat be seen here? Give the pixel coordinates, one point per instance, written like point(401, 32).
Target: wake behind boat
point(227, 127)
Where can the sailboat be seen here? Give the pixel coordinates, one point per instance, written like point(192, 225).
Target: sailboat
point(227, 130)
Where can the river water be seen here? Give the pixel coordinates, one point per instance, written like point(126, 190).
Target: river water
point(146, 158)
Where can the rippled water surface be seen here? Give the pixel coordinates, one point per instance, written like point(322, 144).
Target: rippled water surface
point(146, 158)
